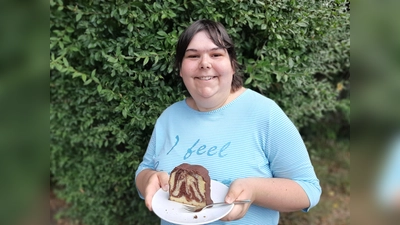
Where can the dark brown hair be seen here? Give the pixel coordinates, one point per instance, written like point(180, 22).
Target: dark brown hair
point(219, 36)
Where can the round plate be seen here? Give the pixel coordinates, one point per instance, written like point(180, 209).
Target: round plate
point(174, 212)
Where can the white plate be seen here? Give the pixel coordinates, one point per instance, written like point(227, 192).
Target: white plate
point(173, 212)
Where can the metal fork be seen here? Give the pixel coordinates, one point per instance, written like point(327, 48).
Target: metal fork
point(192, 208)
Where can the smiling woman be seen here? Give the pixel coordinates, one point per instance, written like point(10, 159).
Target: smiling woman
point(221, 44)
point(247, 141)
point(207, 72)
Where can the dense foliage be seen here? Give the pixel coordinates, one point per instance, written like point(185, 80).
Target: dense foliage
point(111, 75)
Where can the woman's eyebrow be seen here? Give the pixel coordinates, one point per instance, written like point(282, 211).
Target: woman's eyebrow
point(195, 50)
point(191, 50)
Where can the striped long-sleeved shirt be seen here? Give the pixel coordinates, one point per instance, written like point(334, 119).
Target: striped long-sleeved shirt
point(249, 137)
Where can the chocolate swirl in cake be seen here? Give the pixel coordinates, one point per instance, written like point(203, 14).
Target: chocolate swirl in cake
point(190, 184)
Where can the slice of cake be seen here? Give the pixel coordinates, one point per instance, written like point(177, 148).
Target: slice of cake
point(190, 184)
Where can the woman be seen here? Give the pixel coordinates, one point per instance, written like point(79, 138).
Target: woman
point(243, 138)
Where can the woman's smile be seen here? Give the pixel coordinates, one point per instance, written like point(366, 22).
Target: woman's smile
point(205, 78)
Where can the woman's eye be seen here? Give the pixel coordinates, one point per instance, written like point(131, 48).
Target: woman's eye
point(192, 56)
point(217, 54)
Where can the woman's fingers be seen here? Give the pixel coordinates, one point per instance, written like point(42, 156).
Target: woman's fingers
point(156, 181)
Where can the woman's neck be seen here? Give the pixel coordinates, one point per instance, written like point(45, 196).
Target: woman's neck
point(206, 105)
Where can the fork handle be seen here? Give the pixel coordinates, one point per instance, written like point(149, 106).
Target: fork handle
point(241, 201)
point(235, 202)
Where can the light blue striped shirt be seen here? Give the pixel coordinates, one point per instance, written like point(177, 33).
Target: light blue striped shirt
point(388, 184)
point(249, 137)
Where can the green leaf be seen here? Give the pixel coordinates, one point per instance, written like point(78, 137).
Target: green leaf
point(162, 33)
point(65, 61)
point(76, 74)
point(70, 29)
point(112, 59)
point(96, 80)
point(87, 82)
point(263, 26)
point(145, 61)
point(248, 81)
point(78, 16)
point(278, 77)
point(130, 27)
point(260, 3)
point(125, 112)
point(291, 63)
point(302, 24)
point(122, 10)
point(140, 78)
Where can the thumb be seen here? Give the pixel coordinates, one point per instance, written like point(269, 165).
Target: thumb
point(232, 194)
point(163, 178)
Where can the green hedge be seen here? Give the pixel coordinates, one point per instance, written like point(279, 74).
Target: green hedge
point(111, 75)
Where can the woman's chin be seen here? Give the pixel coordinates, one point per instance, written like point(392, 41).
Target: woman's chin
point(204, 93)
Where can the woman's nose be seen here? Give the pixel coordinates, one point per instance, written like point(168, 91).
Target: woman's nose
point(205, 63)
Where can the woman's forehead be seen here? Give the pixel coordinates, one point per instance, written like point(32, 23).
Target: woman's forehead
point(203, 40)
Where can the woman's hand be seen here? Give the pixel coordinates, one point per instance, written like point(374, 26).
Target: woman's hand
point(149, 182)
point(240, 189)
point(280, 194)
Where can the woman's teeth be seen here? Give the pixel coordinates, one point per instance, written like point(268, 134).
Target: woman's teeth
point(205, 78)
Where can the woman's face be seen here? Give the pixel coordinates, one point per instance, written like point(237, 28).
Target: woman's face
point(206, 71)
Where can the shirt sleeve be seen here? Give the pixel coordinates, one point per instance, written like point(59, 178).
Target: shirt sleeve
point(288, 155)
point(148, 158)
point(389, 181)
